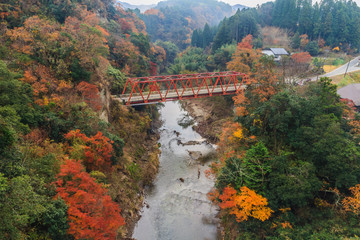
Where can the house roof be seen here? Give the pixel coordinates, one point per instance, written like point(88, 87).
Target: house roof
point(279, 51)
point(268, 52)
point(351, 92)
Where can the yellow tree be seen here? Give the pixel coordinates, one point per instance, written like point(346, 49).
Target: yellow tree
point(352, 204)
point(245, 204)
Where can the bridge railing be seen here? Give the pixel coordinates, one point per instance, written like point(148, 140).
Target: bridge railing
point(177, 87)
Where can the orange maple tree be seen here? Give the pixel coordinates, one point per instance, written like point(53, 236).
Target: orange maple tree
point(95, 151)
point(245, 57)
point(245, 204)
point(90, 94)
point(92, 214)
point(46, 88)
point(246, 42)
point(302, 57)
point(261, 81)
point(304, 40)
point(352, 203)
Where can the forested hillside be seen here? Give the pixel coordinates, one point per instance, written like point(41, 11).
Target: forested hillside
point(175, 20)
point(334, 23)
point(74, 162)
point(288, 164)
point(69, 156)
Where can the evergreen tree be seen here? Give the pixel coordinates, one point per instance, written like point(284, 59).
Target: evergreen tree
point(295, 41)
point(195, 38)
point(221, 37)
point(236, 28)
point(207, 36)
point(305, 17)
point(313, 48)
point(285, 14)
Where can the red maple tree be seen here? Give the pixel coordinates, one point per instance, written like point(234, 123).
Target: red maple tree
point(95, 151)
point(302, 57)
point(92, 214)
point(90, 94)
point(246, 42)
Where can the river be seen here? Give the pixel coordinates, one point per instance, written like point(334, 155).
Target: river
point(176, 206)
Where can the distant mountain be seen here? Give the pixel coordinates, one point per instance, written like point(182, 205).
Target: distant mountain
point(238, 6)
point(175, 20)
point(142, 8)
point(200, 11)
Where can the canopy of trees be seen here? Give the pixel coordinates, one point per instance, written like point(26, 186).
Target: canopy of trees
point(175, 20)
point(294, 151)
point(335, 23)
point(59, 63)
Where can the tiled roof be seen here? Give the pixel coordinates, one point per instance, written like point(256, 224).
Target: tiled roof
point(352, 92)
point(279, 51)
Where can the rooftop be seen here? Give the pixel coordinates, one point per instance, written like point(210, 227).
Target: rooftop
point(268, 52)
point(351, 92)
point(279, 51)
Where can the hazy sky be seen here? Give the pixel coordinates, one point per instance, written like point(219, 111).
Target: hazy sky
point(250, 3)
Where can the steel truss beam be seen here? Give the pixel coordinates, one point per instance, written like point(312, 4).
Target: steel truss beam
point(154, 89)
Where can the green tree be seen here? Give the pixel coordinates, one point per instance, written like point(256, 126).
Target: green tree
point(55, 219)
point(295, 41)
point(20, 207)
point(313, 48)
point(192, 60)
point(306, 17)
point(16, 104)
point(117, 80)
point(250, 171)
point(285, 14)
point(207, 36)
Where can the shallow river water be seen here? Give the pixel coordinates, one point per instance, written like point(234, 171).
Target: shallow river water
point(176, 206)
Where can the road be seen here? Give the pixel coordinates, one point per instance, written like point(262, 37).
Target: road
point(354, 66)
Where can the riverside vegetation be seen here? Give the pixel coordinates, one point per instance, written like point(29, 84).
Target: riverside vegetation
point(288, 163)
point(73, 163)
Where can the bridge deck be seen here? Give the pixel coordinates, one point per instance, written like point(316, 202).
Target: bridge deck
point(137, 99)
point(154, 89)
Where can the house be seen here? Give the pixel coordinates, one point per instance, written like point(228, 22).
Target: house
point(277, 53)
point(351, 92)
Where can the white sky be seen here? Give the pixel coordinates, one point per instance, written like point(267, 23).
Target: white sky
point(249, 3)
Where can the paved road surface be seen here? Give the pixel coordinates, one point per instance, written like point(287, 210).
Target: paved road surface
point(354, 66)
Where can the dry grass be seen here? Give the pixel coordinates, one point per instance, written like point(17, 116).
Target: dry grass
point(341, 81)
point(275, 37)
point(329, 68)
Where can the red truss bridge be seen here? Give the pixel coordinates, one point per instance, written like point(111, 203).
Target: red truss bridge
point(146, 90)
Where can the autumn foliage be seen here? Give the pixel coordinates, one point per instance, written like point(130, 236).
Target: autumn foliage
point(95, 151)
point(352, 203)
point(246, 42)
point(262, 82)
point(91, 214)
point(302, 58)
point(90, 93)
point(245, 204)
point(245, 57)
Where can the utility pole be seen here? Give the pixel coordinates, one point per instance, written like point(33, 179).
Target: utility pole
point(347, 68)
point(322, 66)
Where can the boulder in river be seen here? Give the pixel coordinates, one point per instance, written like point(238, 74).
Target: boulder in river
point(195, 154)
